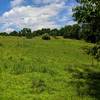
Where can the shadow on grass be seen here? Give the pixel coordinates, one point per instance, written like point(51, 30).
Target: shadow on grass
point(87, 82)
point(93, 83)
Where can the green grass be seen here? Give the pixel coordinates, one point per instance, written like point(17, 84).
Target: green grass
point(35, 69)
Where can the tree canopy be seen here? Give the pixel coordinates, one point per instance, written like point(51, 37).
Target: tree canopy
point(88, 12)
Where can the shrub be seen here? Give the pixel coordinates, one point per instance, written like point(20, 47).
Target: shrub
point(38, 86)
point(46, 36)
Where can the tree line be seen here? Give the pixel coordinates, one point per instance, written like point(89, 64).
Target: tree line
point(75, 31)
point(87, 15)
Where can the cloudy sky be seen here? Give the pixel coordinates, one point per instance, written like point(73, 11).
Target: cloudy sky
point(35, 14)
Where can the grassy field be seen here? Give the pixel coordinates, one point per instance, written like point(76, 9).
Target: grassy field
point(35, 69)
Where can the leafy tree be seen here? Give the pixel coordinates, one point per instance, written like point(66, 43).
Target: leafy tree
point(45, 30)
point(14, 33)
point(42, 31)
point(72, 32)
point(88, 12)
point(4, 34)
point(26, 32)
point(94, 52)
point(54, 33)
point(76, 32)
point(66, 31)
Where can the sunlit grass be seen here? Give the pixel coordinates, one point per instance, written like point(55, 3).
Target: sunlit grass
point(36, 69)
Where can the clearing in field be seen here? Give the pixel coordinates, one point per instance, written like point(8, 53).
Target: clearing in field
point(35, 69)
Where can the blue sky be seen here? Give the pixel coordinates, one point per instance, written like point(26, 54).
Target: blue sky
point(35, 14)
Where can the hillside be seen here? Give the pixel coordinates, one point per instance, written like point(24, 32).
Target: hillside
point(35, 69)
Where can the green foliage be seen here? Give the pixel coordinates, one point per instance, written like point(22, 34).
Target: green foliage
point(42, 70)
point(54, 32)
point(94, 52)
point(88, 13)
point(38, 86)
point(14, 33)
point(46, 36)
point(42, 31)
point(26, 32)
point(3, 34)
point(72, 32)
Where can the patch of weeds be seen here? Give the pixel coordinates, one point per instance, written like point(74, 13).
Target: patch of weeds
point(1, 45)
point(17, 69)
point(70, 68)
point(73, 69)
point(48, 70)
point(5, 66)
point(38, 86)
point(52, 90)
point(43, 69)
point(21, 59)
point(10, 58)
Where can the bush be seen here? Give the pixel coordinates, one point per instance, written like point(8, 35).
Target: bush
point(46, 36)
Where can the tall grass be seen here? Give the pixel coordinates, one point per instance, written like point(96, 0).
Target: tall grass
point(34, 69)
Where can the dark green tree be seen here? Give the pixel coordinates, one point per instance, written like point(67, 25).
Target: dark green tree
point(26, 32)
point(94, 52)
point(71, 31)
point(66, 31)
point(4, 34)
point(54, 33)
point(14, 33)
point(88, 13)
point(76, 32)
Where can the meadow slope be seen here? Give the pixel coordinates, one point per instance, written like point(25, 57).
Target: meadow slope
point(35, 69)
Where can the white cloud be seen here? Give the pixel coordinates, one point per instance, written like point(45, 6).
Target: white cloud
point(15, 3)
point(71, 22)
point(8, 30)
point(35, 17)
point(32, 17)
point(47, 1)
